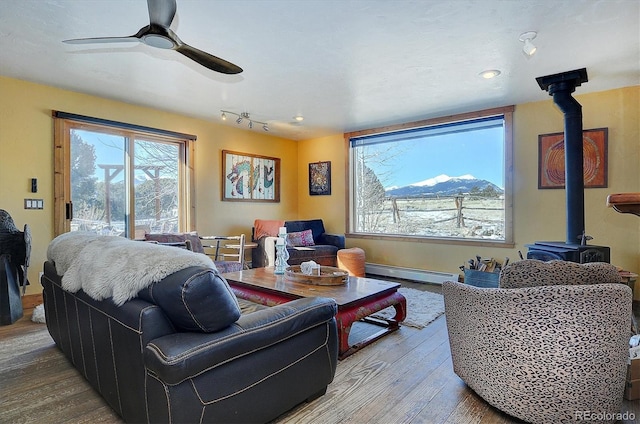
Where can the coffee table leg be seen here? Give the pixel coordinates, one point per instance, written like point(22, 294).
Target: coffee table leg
point(401, 310)
point(344, 328)
point(346, 318)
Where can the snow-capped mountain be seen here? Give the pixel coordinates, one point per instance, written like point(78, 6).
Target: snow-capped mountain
point(442, 185)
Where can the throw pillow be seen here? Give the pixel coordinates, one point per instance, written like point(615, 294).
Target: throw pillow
point(266, 228)
point(301, 238)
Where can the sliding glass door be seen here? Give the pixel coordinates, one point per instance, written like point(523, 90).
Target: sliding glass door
point(120, 182)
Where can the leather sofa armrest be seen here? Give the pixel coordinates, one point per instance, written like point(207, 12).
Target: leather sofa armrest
point(332, 239)
point(180, 356)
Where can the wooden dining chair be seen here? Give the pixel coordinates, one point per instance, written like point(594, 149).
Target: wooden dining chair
point(225, 249)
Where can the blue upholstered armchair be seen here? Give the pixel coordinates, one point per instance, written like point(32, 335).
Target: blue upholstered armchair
point(321, 247)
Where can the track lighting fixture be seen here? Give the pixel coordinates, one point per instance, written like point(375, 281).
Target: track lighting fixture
point(529, 49)
point(242, 116)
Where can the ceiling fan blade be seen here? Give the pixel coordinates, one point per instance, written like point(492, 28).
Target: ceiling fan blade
point(161, 12)
point(208, 60)
point(102, 40)
point(158, 34)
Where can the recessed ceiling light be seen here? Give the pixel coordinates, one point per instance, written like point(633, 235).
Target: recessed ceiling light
point(299, 118)
point(490, 73)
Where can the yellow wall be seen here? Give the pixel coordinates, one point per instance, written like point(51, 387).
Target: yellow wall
point(538, 214)
point(26, 151)
point(26, 146)
point(331, 208)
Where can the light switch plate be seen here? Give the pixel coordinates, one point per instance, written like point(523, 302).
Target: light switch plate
point(34, 203)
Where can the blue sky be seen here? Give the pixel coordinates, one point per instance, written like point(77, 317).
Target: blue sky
point(109, 150)
point(479, 153)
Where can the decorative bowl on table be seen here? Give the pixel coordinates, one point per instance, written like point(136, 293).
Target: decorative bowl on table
point(329, 276)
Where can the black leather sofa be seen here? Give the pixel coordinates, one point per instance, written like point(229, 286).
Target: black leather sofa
point(324, 251)
point(182, 351)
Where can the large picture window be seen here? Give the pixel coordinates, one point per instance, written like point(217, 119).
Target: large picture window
point(119, 179)
point(437, 179)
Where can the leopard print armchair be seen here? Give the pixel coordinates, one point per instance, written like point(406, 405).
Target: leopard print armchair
point(548, 345)
point(532, 273)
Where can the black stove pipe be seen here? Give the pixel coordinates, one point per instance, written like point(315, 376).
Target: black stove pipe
point(560, 86)
point(573, 160)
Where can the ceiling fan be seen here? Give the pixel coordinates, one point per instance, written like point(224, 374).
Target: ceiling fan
point(158, 34)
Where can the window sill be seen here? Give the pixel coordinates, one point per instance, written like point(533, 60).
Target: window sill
point(434, 240)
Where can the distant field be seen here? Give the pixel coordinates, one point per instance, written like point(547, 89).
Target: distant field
point(480, 218)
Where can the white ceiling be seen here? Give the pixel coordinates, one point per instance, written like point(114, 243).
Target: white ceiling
point(344, 65)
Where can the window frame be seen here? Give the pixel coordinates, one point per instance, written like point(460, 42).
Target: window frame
point(506, 112)
point(64, 123)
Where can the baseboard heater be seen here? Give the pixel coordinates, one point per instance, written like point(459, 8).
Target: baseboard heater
point(418, 275)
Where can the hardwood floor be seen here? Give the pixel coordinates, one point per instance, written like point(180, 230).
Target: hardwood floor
point(405, 377)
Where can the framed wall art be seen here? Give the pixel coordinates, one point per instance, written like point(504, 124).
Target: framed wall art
point(320, 178)
point(247, 177)
point(551, 159)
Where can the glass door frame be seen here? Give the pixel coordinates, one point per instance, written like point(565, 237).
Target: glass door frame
point(63, 208)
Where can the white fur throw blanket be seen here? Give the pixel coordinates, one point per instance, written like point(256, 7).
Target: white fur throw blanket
point(65, 248)
point(116, 267)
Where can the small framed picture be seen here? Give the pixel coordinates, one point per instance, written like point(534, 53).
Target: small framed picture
point(320, 178)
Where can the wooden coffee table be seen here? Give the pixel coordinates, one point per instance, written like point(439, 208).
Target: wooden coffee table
point(357, 300)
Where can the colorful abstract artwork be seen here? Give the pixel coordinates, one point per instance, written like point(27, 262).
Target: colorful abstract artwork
point(320, 178)
point(551, 165)
point(250, 177)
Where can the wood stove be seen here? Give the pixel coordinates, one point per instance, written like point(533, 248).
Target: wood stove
point(575, 248)
point(549, 250)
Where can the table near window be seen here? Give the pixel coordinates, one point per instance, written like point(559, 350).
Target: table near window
point(627, 203)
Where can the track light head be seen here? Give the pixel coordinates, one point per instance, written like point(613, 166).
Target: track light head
point(529, 49)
